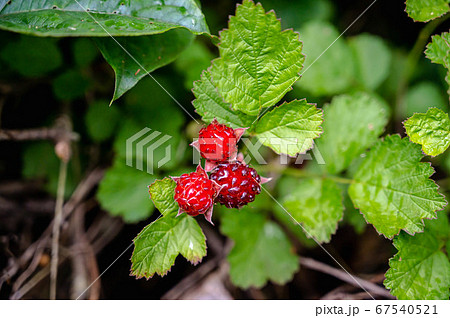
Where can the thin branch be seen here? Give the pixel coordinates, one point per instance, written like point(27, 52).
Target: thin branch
point(57, 227)
point(55, 134)
point(340, 274)
point(34, 251)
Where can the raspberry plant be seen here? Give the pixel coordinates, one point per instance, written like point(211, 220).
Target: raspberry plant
point(390, 185)
point(371, 174)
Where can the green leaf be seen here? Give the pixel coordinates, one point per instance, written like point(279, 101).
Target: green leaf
point(426, 10)
point(123, 192)
point(84, 52)
point(352, 216)
point(373, 59)
point(317, 204)
point(431, 130)
point(258, 62)
point(40, 161)
point(328, 69)
point(421, 270)
point(160, 242)
point(290, 128)
point(352, 123)
point(423, 95)
point(439, 47)
point(70, 85)
point(261, 250)
point(438, 51)
point(143, 110)
point(193, 61)
point(32, 57)
point(105, 18)
point(210, 104)
point(101, 121)
point(148, 53)
point(392, 187)
point(162, 194)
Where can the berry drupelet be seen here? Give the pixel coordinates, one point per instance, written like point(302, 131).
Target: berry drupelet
point(217, 143)
point(239, 183)
point(195, 193)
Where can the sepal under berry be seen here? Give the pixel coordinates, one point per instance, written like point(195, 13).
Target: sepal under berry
point(217, 143)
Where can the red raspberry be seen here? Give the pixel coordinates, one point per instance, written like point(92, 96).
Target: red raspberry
point(195, 193)
point(240, 184)
point(217, 143)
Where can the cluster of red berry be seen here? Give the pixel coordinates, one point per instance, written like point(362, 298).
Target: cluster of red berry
point(231, 182)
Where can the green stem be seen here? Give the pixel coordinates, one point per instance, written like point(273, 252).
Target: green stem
point(301, 173)
point(411, 64)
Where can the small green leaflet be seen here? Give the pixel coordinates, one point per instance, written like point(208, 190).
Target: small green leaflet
point(160, 242)
point(392, 187)
point(210, 104)
point(162, 193)
point(439, 47)
point(317, 204)
point(260, 253)
point(420, 269)
point(149, 53)
point(438, 51)
point(291, 127)
point(120, 192)
point(426, 10)
point(258, 62)
point(431, 130)
point(30, 56)
point(117, 17)
point(339, 145)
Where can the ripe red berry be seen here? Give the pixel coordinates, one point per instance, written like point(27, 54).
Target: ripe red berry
point(217, 143)
point(239, 184)
point(195, 193)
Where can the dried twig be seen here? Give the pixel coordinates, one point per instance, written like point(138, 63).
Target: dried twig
point(84, 263)
point(55, 134)
point(34, 251)
point(340, 274)
point(56, 227)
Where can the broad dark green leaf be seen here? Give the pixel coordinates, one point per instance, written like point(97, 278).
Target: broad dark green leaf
point(131, 57)
point(32, 57)
point(39, 161)
point(123, 192)
point(196, 58)
point(100, 18)
point(393, 190)
point(101, 121)
point(70, 85)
